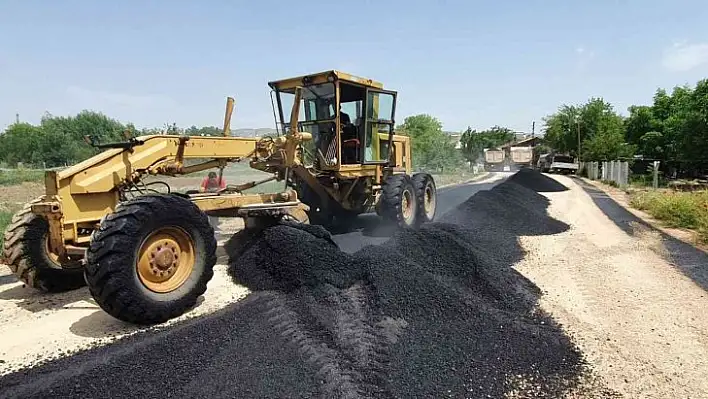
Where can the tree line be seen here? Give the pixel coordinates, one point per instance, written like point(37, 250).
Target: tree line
point(61, 140)
point(58, 140)
point(673, 128)
point(434, 149)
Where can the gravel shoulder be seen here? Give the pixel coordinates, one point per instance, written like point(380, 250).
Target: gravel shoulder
point(631, 297)
point(622, 199)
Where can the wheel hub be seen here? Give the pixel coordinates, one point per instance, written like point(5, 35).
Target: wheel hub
point(166, 259)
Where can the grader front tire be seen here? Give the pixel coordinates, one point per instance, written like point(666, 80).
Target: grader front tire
point(151, 259)
point(27, 252)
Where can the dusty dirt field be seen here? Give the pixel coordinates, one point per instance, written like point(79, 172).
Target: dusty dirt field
point(634, 303)
point(16, 196)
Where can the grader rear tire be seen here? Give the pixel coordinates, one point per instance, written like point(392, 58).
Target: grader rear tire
point(427, 196)
point(151, 259)
point(398, 202)
point(26, 250)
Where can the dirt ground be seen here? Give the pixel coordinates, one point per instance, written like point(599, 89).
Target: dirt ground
point(16, 196)
point(632, 298)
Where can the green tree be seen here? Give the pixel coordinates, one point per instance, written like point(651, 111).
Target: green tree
point(65, 135)
point(674, 127)
point(594, 128)
point(561, 129)
point(432, 148)
point(19, 142)
point(58, 140)
point(641, 120)
point(651, 145)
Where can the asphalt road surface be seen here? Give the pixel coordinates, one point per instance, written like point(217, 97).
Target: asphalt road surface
point(368, 229)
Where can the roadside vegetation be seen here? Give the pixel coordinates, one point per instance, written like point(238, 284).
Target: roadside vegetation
point(672, 129)
point(677, 209)
point(10, 177)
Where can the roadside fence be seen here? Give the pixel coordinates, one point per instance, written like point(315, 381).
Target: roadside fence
point(616, 172)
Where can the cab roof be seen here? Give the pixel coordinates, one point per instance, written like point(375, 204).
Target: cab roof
point(322, 77)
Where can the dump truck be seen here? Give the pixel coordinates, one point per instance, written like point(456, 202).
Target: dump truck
point(522, 156)
point(147, 255)
point(494, 159)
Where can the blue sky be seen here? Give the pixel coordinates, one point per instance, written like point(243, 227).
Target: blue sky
point(466, 62)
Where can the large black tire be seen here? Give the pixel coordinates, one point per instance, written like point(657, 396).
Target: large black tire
point(118, 283)
point(26, 252)
point(427, 197)
point(398, 201)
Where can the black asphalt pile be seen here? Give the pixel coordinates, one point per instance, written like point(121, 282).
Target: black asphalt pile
point(536, 181)
point(514, 207)
point(437, 312)
point(286, 257)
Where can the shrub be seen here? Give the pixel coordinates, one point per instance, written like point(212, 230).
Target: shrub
point(676, 209)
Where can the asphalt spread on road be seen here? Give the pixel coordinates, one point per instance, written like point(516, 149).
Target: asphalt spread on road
point(437, 312)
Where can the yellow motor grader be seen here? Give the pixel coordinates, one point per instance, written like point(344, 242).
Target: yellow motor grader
point(147, 255)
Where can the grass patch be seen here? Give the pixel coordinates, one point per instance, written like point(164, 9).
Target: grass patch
point(677, 209)
point(5, 218)
point(19, 176)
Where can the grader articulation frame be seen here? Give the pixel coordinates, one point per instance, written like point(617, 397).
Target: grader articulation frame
point(147, 256)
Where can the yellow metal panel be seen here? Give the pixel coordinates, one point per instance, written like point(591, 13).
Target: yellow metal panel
point(105, 171)
point(321, 77)
point(235, 201)
point(349, 171)
point(357, 79)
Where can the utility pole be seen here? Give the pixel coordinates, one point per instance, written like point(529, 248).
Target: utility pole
point(533, 129)
point(17, 118)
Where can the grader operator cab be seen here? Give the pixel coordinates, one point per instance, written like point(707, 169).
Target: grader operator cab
point(147, 255)
point(355, 161)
